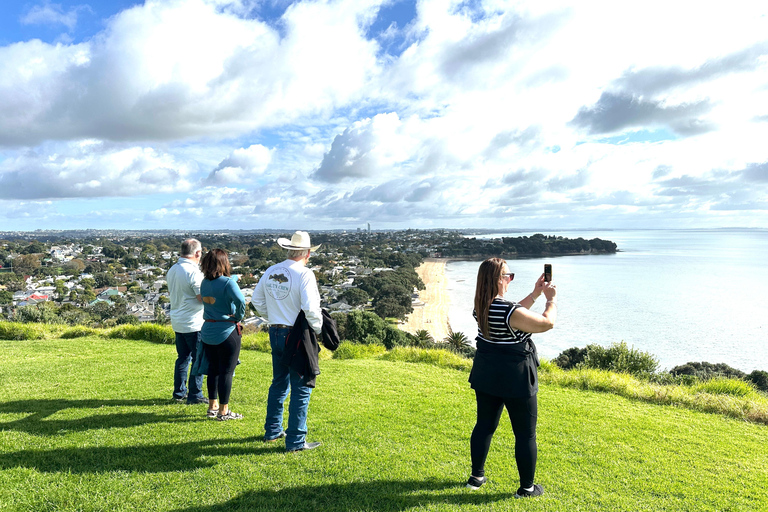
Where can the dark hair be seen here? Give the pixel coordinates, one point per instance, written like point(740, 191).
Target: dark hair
point(487, 288)
point(215, 264)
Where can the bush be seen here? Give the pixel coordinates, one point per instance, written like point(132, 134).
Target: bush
point(394, 337)
point(150, 332)
point(571, 358)
point(436, 357)
point(348, 350)
point(127, 320)
point(370, 339)
point(759, 379)
point(704, 370)
point(620, 358)
point(20, 331)
point(724, 386)
point(80, 331)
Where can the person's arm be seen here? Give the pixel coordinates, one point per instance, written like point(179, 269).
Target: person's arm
point(310, 301)
point(526, 320)
point(529, 299)
point(195, 280)
point(259, 300)
point(238, 300)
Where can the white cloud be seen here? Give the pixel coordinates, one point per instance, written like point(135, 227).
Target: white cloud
point(241, 165)
point(186, 68)
point(92, 169)
point(52, 14)
point(545, 113)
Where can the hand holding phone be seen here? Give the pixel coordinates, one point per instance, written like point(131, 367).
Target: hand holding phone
point(548, 272)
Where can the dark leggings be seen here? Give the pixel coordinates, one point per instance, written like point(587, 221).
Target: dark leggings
point(522, 413)
point(222, 360)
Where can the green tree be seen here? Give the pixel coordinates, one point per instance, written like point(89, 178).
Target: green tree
point(6, 297)
point(457, 341)
point(355, 297)
point(26, 263)
point(423, 339)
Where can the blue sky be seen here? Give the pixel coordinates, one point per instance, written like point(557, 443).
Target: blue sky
point(242, 114)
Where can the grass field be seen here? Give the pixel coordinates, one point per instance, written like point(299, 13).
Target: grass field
point(88, 424)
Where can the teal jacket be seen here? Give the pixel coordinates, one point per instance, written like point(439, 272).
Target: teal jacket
point(228, 307)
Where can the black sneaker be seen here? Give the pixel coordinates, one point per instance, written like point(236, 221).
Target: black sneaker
point(199, 400)
point(537, 491)
point(475, 482)
point(307, 446)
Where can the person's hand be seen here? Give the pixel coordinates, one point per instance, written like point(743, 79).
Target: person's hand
point(539, 287)
point(549, 290)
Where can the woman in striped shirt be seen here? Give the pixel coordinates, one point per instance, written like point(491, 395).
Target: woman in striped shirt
point(504, 372)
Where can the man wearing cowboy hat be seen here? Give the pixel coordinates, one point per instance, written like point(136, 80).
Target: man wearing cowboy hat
point(284, 291)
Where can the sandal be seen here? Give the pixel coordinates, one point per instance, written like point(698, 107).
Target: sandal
point(229, 416)
point(212, 413)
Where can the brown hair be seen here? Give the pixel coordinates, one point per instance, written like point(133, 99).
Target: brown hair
point(215, 264)
point(487, 288)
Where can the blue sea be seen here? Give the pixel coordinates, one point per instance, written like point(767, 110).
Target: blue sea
point(682, 295)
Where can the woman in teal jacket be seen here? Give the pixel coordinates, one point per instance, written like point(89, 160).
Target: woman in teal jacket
point(223, 308)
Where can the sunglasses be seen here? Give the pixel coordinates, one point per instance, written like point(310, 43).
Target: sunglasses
point(511, 275)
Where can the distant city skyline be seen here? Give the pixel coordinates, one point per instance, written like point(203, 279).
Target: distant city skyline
point(333, 114)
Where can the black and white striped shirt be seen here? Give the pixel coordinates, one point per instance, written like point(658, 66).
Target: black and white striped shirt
point(499, 331)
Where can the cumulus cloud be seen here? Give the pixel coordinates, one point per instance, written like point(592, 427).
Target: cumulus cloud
point(550, 113)
point(92, 169)
point(615, 112)
point(241, 165)
point(367, 148)
point(182, 69)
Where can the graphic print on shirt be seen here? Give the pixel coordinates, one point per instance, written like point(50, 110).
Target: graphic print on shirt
point(278, 283)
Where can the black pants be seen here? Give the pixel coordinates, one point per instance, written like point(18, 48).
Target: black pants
point(522, 413)
point(222, 360)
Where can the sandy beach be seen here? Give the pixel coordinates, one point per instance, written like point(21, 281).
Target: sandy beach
point(433, 315)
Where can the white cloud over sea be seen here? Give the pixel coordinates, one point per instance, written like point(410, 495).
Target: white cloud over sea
point(335, 113)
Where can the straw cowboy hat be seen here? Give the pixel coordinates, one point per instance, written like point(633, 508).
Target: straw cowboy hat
point(299, 241)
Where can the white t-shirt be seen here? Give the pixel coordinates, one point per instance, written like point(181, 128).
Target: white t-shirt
point(184, 280)
point(284, 290)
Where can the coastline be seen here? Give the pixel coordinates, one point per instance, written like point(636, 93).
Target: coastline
point(432, 314)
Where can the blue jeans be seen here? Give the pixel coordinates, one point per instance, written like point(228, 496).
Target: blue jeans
point(186, 348)
point(284, 380)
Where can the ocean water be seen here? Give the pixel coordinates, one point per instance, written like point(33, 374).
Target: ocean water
point(682, 295)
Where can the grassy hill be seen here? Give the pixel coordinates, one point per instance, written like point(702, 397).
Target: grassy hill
point(88, 424)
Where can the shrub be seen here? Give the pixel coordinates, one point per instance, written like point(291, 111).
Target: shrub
point(370, 339)
point(571, 358)
point(724, 386)
point(620, 358)
point(759, 379)
point(127, 320)
point(80, 331)
point(19, 331)
point(704, 370)
point(150, 332)
point(348, 350)
point(394, 337)
point(436, 357)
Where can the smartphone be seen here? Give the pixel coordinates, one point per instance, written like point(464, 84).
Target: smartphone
point(548, 272)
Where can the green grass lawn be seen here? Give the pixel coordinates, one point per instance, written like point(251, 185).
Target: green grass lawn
point(88, 424)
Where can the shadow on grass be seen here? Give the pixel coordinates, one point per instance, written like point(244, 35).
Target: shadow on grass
point(37, 413)
point(158, 458)
point(377, 496)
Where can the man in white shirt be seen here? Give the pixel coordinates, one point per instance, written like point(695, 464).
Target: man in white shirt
point(184, 280)
point(283, 291)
